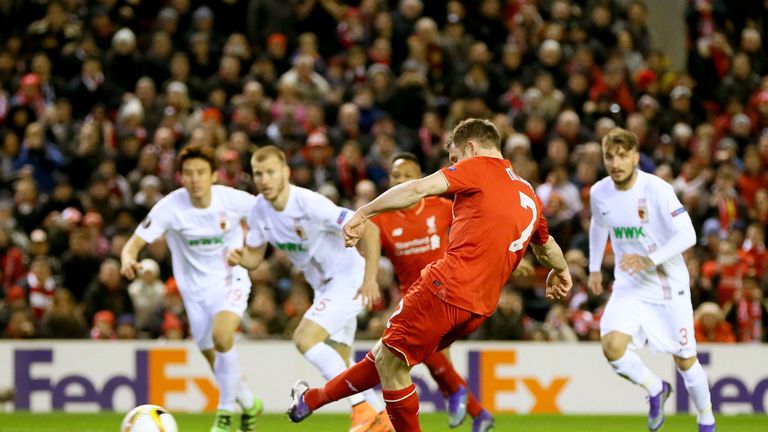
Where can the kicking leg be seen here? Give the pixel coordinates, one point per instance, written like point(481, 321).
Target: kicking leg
point(360, 376)
point(399, 391)
point(366, 405)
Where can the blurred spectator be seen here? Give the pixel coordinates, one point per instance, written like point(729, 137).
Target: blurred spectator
point(11, 261)
point(710, 325)
point(147, 295)
point(725, 272)
point(15, 300)
point(107, 293)
point(126, 328)
point(42, 156)
point(21, 325)
point(309, 85)
point(317, 154)
point(557, 327)
point(79, 263)
point(747, 312)
point(172, 327)
point(90, 88)
point(103, 325)
point(40, 285)
point(350, 168)
point(64, 320)
point(121, 60)
point(509, 321)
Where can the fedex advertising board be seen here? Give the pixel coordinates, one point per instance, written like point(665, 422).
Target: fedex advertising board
point(506, 377)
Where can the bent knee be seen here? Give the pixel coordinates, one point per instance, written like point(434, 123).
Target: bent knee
point(685, 363)
point(614, 348)
point(381, 359)
point(223, 342)
point(387, 361)
point(304, 342)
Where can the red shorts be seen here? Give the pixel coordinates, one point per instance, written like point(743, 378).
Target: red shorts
point(423, 324)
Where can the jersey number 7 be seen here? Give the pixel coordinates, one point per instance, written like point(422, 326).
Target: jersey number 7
point(525, 202)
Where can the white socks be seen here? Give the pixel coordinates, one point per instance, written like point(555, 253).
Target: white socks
point(373, 399)
point(330, 363)
point(244, 395)
point(228, 376)
point(631, 367)
point(698, 390)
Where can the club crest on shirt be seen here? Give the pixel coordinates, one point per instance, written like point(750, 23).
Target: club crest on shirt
point(299, 231)
point(432, 224)
point(642, 210)
point(397, 232)
point(223, 221)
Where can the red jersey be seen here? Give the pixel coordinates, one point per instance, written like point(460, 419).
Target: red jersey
point(412, 238)
point(495, 215)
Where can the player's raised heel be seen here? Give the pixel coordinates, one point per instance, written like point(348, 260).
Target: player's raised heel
point(249, 415)
point(222, 422)
point(299, 409)
point(483, 422)
point(457, 407)
point(706, 428)
point(656, 409)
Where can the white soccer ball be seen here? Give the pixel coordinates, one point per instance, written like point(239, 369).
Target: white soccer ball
point(149, 418)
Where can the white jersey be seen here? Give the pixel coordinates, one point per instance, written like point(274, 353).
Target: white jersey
point(642, 220)
point(199, 238)
point(309, 231)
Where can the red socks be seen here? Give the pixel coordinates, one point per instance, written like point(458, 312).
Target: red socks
point(403, 408)
point(444, 374)
point(359, 377)
point(473, 406)
point(449, 380)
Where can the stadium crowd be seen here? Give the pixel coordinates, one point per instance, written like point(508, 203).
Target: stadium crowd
point(97, 97)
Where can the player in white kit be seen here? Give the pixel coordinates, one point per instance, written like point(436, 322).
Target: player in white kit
point(651, 301)
point(307, 227)
point(201, 222)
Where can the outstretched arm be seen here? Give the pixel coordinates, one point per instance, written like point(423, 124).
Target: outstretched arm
point(559, 278)
point(129, 267)
point(401, 196)
point(372, 252)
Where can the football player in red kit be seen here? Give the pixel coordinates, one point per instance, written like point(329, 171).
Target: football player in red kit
point(412, 238)
point(496, 216)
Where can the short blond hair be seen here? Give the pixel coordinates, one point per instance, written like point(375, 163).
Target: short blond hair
point(622, 138)
point(263, 153)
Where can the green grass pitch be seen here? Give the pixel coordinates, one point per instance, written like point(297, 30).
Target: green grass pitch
point(26, 422)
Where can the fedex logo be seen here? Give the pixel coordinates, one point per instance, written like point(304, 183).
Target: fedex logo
point(149, 382)
point(484, 381)
point(732, 391)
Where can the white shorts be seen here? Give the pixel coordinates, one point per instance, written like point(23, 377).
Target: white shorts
point(667, 327)
point(201, 311)
point(335, 307)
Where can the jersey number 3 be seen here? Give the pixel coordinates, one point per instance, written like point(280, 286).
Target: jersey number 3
point(526, 202)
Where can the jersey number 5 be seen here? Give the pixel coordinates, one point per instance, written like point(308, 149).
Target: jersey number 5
point(525, 202)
